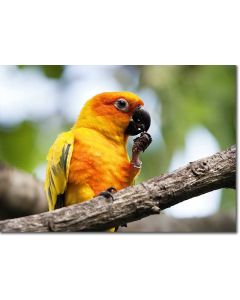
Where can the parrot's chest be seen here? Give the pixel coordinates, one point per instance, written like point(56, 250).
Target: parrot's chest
point(99, 164)
point(108, 167)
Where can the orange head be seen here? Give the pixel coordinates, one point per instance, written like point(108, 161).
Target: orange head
point(114, 114)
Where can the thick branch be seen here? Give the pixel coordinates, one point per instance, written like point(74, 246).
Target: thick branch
point(134, 203)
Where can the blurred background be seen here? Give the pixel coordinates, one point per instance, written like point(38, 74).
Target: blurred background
point(193, 110)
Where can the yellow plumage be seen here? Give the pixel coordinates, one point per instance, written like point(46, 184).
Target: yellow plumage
point(92, 156)
point(59, 157)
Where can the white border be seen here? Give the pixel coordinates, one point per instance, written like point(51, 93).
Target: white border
point(106, 266)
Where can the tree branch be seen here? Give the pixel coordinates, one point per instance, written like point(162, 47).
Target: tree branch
point(137, 202)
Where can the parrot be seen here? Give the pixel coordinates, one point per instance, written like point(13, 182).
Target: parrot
point(91, 158)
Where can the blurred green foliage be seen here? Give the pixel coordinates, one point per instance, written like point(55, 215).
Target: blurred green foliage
point(188, 95)
point(51, 71)
point(19, 146)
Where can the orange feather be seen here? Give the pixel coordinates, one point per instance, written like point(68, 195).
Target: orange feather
point(97, 144)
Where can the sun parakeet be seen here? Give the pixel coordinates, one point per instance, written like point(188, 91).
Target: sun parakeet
point(91, 158)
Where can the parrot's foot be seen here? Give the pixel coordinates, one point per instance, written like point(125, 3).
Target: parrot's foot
point(140, 144)
point(123, 225)
point(109, 193)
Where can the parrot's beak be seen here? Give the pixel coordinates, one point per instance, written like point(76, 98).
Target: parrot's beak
point(140, 122)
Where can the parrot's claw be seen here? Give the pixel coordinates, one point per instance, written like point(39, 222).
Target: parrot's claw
point(142, 142)
point(108, 193)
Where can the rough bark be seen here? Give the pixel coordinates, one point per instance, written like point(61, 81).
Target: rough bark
point(134, 203)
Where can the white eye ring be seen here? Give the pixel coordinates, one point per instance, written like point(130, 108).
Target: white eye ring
point(121, 104)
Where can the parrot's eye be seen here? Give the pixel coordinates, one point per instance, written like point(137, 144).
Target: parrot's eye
point(121, 104)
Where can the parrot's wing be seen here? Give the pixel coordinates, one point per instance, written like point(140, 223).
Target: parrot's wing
point(59, 157)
